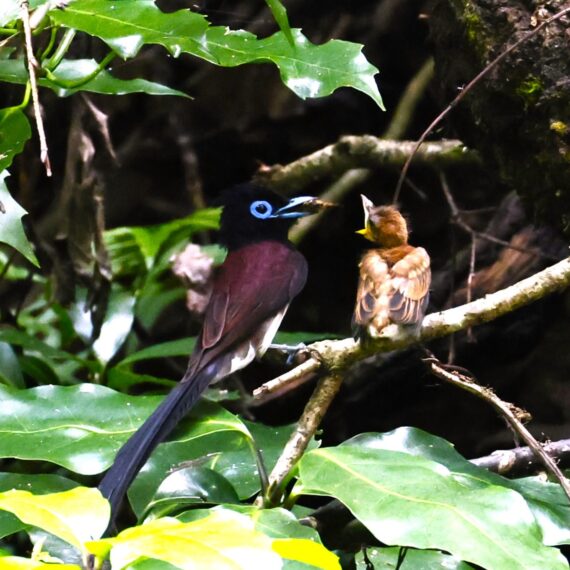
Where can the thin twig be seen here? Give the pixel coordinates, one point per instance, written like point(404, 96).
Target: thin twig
point(306, 428)
point(457, 218)
point(464, 92)
point(32, 66)
point(509, 412)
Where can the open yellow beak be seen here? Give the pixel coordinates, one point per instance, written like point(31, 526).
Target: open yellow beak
point(366, 233)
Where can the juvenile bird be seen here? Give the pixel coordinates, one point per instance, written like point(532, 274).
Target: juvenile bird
point(394, 277)
point(252, 290)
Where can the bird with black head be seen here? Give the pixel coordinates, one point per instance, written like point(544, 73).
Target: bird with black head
point(394, 276)
point(252, 290)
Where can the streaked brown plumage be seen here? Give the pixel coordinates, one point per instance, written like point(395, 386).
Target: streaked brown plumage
point(394, 277)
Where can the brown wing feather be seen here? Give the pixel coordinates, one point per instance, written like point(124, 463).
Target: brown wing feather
point(411, 279)
point(371, 306)
point(254, 283)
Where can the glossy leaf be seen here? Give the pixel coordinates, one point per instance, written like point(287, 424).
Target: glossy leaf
point(222, 540)
point(546, 500)
point(387, 558)
point(37, 484)
point(227, 452)
point(11, 228)
point(82, 427)
point(178, 347)
point(15, 131)
point(58, 513)
point(408, 500)
point(72, 75)
point(307, 69)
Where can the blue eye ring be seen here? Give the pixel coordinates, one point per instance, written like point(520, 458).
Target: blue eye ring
point(261, 209)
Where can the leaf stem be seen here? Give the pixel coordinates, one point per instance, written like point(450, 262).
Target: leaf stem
point(61, 50)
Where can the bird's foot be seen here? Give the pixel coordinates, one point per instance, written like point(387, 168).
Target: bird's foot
point(295, 353)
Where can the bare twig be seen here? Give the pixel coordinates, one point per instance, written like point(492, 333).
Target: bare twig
point(313, 414)
point(523, 459)
point(364, 151)
point(457, 218)
point(274, 388)
point(510, 413)
point(32, 65)
point(464, 92)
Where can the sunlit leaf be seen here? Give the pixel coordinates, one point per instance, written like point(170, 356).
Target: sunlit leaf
point(75, 516)
point(11, 228)
point(19, 563)
point(307, 69)
point(83, 427)
point(408, 500)
point(224, 540)
point(37, 484)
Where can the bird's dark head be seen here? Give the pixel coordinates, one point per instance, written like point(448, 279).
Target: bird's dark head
point(383, 225)
point(252, 213)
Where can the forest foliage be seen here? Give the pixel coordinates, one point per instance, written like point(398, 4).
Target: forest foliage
point(72, 373)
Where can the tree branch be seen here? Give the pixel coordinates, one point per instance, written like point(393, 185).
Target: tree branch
point(364, 151)
point(335, 356)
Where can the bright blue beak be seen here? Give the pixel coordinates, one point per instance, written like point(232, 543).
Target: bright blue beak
point(294, 208)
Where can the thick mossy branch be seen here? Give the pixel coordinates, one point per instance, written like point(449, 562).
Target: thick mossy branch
point(364, 151)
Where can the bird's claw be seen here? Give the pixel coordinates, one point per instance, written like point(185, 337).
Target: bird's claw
point(292, 351)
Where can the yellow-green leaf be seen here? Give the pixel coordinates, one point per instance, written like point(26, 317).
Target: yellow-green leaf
point(75, 516)
point(224, 540)
point(306, 551)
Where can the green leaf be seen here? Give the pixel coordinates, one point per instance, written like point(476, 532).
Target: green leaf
point(224, 539)
point(10, 10)
point(37, 484)
point(414, 560)
point(307, 69)
point(82, 427)
point(10, 371)
point(72, 75)
point(179, 347)
point(546, 500)
point(15, 131)
point(19, 563)
point(11, 228)
point(34, 345)
point(280, 14)
point(58, 513)
point(117, 324)
point(226, 451)
point(411, 501)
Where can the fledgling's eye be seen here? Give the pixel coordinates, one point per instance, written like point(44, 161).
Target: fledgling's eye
point(261, 209)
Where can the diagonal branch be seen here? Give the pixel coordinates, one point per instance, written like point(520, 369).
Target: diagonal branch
point(335, 356)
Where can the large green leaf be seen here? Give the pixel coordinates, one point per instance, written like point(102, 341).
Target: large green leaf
point(82, 427)
point(227, 452)
point(15, 130)
point(386, 558)
point(408, 500)
point(307, 69)
point(72, 75)
point(546, 500)
point(11, 228)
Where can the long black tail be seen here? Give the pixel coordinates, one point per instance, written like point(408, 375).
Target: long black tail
point(134, 453)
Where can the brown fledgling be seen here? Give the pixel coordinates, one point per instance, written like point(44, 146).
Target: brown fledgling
point(394, 277)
